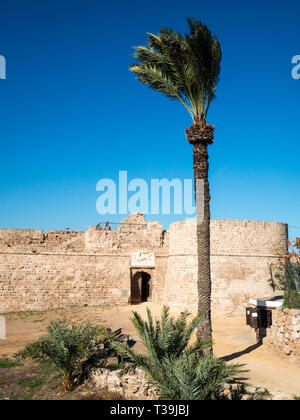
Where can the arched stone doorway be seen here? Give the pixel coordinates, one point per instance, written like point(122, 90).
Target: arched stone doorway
point(141, 288)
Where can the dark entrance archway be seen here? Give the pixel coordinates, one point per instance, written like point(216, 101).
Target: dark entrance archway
point(141, 288)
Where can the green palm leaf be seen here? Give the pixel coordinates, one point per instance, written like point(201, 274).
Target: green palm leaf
point(181, 68)
point(176, 368)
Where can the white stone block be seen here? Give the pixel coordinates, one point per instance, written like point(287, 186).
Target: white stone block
point(2, 328)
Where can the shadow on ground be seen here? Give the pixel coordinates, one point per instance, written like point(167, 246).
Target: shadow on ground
point(242, 352)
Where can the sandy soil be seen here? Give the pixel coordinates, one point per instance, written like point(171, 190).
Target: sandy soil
point(232, 340)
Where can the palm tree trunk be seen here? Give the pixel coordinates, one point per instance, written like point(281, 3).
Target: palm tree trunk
point(200, 135)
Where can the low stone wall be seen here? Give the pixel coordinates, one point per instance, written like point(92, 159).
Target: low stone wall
point(284, 335)
point(132, 387)
point(136, 387)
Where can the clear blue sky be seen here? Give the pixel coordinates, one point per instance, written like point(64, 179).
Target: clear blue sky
point(71, 112)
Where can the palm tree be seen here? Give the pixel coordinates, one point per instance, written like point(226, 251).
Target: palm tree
point(186, 68)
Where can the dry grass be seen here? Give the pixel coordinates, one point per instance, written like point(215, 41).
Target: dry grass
point(35, 381)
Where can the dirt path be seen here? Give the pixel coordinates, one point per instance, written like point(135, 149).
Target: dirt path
point(232, 340)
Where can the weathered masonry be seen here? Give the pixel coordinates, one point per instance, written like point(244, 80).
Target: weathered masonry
point(137, 262)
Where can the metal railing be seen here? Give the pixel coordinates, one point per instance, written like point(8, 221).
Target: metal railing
point(127, 227)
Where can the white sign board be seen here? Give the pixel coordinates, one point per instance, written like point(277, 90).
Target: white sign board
point(142, 259)
point(2, 328)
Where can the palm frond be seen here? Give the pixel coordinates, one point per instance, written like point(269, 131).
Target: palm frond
point(176, 367)
point(64, 346)
point(181, 68)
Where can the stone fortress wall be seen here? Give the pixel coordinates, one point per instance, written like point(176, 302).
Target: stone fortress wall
point(60, 269)
point(241, 254)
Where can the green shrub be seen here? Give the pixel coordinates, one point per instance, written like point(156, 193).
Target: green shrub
point(291, 299)
point(286, 278)
point(64, 347)
point(32, 382)
point(177, 369)
point(5, 363)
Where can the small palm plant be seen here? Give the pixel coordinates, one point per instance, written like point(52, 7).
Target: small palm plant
point(177, 368)
point(190, 377)
point(64, 347)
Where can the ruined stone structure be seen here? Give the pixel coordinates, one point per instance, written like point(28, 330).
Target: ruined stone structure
point(284, 334)
point(137, 262)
